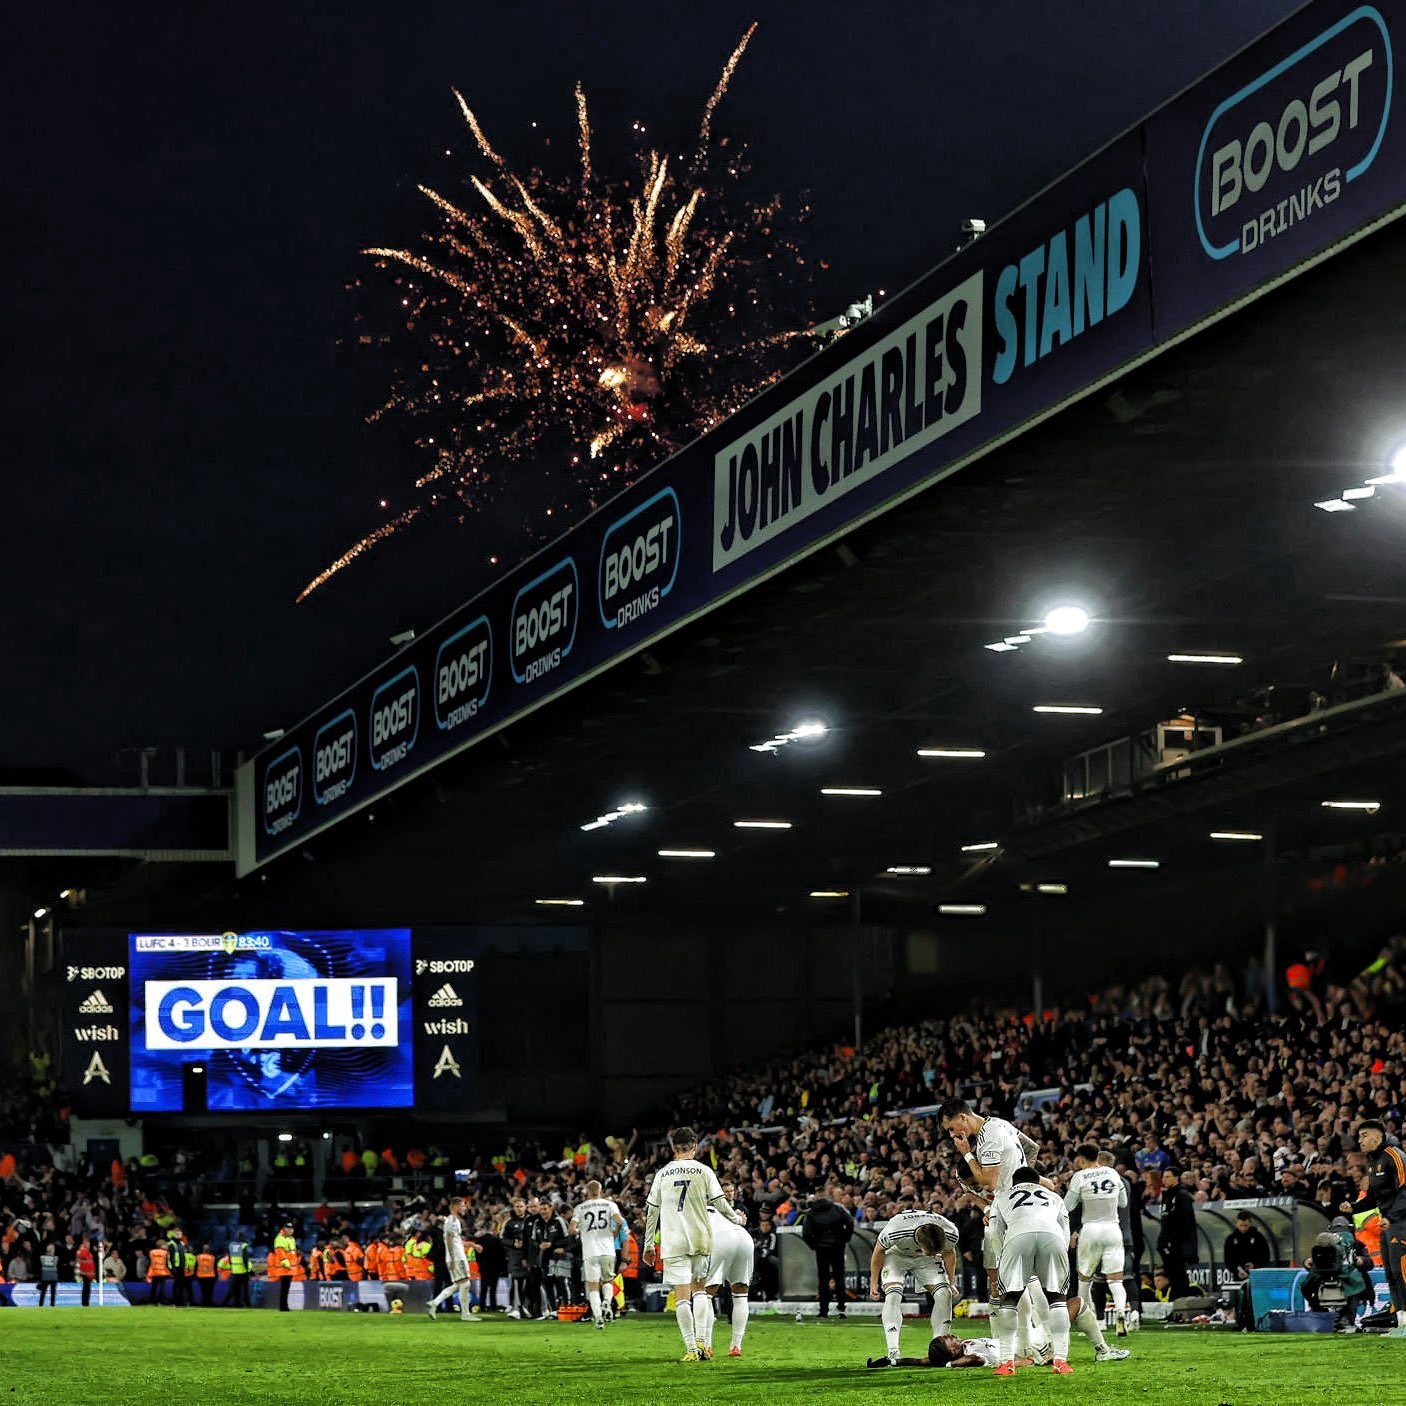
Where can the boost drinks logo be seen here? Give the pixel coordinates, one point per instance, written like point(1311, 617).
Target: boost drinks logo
point(1282, 148)
point(542, 625)
point(463, 674)
point(395, 719)
point(334, 758)
point(639, 560)
point(283, 791)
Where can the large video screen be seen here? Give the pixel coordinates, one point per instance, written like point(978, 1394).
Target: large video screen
point(278, 1020)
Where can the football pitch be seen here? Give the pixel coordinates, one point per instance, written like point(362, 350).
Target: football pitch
point(145, 1355)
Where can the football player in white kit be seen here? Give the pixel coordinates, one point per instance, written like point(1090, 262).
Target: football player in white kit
point(597, 1219)
point(731, 1264)
point(676, 1217)
point(456, 1262)
point(1099, 1193)
point(1034, 1230)
point(994, 1150)
point(922, 1244)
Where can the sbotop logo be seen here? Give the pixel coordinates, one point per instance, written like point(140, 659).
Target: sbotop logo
point(463, 674)
point(1280, 150)
point(334, 758)
point(639, 560)
point(394, 721)
point(543, 621)
point(283, 791)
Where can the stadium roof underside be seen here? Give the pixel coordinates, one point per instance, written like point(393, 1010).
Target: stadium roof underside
point(1176, 505)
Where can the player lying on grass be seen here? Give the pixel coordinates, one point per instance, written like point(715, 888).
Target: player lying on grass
point(948, 1350)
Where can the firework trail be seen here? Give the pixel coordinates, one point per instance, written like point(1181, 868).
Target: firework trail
point(582, 328)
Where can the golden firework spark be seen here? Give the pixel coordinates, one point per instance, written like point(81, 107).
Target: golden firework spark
point(593, 322)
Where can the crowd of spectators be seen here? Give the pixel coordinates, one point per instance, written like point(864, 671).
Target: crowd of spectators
point(1198, 1076)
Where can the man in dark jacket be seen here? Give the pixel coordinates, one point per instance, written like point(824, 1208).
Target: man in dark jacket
point(516, 1246)
point(1245, 1249)
point(1176, 1241)
point(767, 1265)
point(827, 1228)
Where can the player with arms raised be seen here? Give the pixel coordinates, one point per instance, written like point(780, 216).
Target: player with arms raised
point(922, 1244)
point(597, 1219)
point(677, 1218)
point(1099, 1193)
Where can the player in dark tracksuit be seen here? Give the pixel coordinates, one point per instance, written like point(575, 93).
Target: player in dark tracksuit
point(1386, 1190)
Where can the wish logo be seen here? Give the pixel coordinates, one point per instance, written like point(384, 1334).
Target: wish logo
point(334, 758)
point(463, 674)
point(639, 560)
point(283, 791)
point(543, 621)
point(1280, 150)
point(395, 719)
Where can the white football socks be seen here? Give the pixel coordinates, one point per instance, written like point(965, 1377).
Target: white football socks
point(892, 1316)
point(593, 1298)
point(1059, 1331)
point(1004, 1319)
point(741, 1307)
point(683, 1311)
point(703, 1318)
point(941, 1311)
point(1119, 1291)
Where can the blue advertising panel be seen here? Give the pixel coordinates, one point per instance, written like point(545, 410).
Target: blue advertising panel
point(1286, 150)
point(278, 1020)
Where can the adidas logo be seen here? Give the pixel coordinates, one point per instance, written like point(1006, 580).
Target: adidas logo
point(445, 996)
point(96, 1004)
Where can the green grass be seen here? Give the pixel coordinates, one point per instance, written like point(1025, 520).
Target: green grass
point(53, 1357)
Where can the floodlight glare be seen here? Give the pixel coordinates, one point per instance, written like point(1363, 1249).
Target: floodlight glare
point(1067, 620)
point(1398, 462)
point(1352, 495)
point(1334, 505)
point(829, 893)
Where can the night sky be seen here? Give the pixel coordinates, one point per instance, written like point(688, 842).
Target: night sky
point(186, 192)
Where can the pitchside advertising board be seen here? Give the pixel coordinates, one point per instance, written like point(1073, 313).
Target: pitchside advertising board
point(276, 1020)
point(1290, 148)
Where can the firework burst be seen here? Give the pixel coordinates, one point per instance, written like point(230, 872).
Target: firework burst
point(582, 328)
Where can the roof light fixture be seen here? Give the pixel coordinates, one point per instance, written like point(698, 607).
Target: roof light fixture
point(1134, 863)
point(619, 813)
point(1082, 709)
point(1248, 836)
point(1368, 807)
point(761, 824)
point(1002, 647)
point(979, 845)
point(807, 730)
point(962, 910)
point(909, 870)
point(687, 854)
point(829, 893)
point(1052, 889)
point(1205, 659)
point(618, 879)
point(1067, 620)
point(953, 753)
point(1334, 505)
point(850, 791)
point(560, 902)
